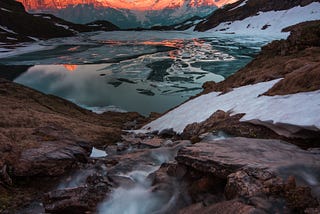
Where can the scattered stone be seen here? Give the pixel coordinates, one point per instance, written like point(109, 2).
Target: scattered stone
point(153, 142)
point(167, 133)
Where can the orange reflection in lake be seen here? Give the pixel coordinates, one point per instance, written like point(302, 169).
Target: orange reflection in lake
point(175, 43)
point(70, 68)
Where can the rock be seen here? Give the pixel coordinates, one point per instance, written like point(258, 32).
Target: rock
point(255, 168)
point(225, 207)
point(52, 157)
point(4, 177)
point(74, 200)
point(300, 198)
point(83, 198)
point(240, 184)
point(312, 210)
point(167, 133)
point(223, 121)
point(224, 157)
point(153, 142)
point(177, 170)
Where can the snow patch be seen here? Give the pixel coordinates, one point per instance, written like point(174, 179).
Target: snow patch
point(240, 5)
point(301, 109)
point(272, 22)
point(10, 11)
point(7, 29)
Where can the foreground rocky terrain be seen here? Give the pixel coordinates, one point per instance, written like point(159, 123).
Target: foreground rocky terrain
point(43, 135)
point(220, 165)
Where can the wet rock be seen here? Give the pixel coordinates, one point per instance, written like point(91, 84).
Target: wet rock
point(169, 188)
point(121, 181)
point(223, 121)
point(167, 133)
point(299, 198)
point(74, 200)
point(51, 158)
point(312, 210)
point(224, 157)
point(225, 207)
point(177, 170)
point(240, 184)
point(153, 142)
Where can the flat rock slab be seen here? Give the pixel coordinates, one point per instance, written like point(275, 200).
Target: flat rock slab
point(51, 158)
point(223, 157)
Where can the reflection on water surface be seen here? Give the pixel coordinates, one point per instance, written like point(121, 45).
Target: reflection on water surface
point(143, 75)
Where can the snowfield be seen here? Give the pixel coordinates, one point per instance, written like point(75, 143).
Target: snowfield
point(272, 22)
point(301, 109)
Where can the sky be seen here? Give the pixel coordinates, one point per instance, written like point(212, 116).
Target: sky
point(123, 4)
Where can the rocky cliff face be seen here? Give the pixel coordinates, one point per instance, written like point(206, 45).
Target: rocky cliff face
point(246, 8)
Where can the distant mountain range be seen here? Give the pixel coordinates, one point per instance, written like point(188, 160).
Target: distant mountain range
point(125, 14)
point(16, 25)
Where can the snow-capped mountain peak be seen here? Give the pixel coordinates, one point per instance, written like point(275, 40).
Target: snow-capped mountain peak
point(123, 4)
point(125, 13)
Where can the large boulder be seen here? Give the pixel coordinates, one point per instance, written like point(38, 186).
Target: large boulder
point(223, 157)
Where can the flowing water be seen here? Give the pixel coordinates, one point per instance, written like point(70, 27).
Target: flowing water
point(130, 71)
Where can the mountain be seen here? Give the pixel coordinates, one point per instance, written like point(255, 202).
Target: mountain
point(256, 16)
point(122, 4)
point(16, 25)
point(135, 14)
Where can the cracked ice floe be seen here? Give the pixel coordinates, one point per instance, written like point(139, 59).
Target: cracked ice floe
point(97, 153)
point(301, 109)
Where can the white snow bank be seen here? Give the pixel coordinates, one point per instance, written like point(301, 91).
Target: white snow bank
point(301, 109)
point(240, 5)
point(7, 29)
point(274, 21)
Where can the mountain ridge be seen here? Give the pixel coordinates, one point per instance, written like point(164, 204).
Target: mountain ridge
point(246, 8)
point(122, 4)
